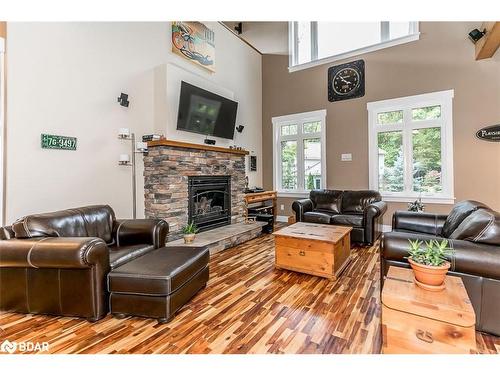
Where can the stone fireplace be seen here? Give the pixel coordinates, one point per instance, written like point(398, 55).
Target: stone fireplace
point(173, 169)
point(209, 201)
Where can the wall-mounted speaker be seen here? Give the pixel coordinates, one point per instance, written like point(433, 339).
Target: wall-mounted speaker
point(123, 100)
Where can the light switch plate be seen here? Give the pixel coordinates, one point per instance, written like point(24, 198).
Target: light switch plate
point(346, 157)
point(282, 207)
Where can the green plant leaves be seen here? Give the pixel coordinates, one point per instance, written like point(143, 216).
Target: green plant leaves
point(434, 253)
point(191, 228)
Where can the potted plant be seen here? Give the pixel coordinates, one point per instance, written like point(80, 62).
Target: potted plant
point(416, 206)
point(430, 263)
point(189, 232)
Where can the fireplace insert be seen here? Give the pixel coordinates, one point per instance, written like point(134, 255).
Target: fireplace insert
point(209, 201)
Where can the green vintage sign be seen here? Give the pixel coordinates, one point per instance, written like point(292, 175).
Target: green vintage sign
point(58, 142)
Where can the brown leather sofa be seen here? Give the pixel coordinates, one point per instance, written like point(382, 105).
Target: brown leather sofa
point(56, 263)
point(473, 231)
point(362, 210)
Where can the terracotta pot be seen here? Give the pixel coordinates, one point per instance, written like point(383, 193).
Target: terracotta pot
point(433, 276)
point(189, 238)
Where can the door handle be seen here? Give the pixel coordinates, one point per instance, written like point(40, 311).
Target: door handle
point(424, 336)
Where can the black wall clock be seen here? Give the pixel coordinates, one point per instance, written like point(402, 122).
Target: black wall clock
point(346, 81)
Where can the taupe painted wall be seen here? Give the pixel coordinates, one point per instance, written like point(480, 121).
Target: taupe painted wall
point(442, 59)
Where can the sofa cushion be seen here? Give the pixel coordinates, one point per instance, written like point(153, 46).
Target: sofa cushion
point(317, 217)
point(326, 200)
point(459, 212)
point(355, 202)
point(348, 220)
point(482, 225)
point(160, 272)
point(98, 221)
point(123, 254)
point(90, 221)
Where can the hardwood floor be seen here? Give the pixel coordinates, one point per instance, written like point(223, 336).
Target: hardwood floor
point(247, 307)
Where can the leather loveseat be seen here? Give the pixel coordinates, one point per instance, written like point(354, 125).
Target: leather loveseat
point(473, 231)
point(56, 263)
point(362, 210)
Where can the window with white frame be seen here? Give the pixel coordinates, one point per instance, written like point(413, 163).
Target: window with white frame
point(313, 43)
point(411, 147)
point(299, 152)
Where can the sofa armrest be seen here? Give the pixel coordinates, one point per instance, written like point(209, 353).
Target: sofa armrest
point(6, 233)
point(374, 210)
point(300, 207)
point(54, 252)
point(422, 222)
point(140, 231)
point(475, 258)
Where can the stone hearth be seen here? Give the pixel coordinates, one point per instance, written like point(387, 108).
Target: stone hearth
point(222, 238)
point(166, 172)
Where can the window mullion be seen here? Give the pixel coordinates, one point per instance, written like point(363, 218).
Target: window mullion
point(384, 31)
point(277, 155)
point(295, 42)
point(446, 150)
point(300, 157)
point(407, 152)
point(314, 41)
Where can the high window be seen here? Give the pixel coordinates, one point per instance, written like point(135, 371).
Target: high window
point(411, 147)
point(299, 153)
point(314, 43)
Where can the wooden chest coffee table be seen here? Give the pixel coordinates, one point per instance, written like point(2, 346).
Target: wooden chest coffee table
point(316, 249)
point(415, 320)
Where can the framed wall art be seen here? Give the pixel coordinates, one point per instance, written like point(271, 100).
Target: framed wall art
point(195, 42)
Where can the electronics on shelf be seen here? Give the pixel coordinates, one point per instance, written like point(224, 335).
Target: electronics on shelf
point(151, 137)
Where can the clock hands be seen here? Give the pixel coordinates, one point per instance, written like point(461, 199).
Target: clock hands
point(343, 79)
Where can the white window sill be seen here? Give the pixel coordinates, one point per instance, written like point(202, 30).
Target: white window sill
point(408, 199)
point(293, 194)
point(359, 51)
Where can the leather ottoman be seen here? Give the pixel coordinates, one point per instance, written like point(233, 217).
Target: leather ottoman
point(158, 283)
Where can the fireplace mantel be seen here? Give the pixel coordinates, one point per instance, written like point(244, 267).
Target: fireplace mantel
point(179, 144)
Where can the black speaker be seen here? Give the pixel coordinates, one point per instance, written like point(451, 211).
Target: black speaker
point(123, 100)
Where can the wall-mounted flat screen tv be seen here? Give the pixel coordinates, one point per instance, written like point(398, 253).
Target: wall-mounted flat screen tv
point(203, 112)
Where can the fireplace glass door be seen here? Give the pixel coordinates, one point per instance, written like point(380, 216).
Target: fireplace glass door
point(209, 201)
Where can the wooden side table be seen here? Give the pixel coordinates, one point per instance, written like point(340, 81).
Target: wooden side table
point(418, 321)
point(262, 197)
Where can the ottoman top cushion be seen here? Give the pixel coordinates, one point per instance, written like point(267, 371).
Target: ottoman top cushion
point(159, 272)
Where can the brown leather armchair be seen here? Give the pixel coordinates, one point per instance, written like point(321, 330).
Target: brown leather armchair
point(473, 231)
point(56, 263)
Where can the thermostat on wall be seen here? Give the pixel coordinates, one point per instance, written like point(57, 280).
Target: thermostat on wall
point(346, 157)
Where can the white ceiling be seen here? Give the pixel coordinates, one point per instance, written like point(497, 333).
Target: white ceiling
point(269, 38)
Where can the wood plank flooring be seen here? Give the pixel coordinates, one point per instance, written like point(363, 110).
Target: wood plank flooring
point(247, 307)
